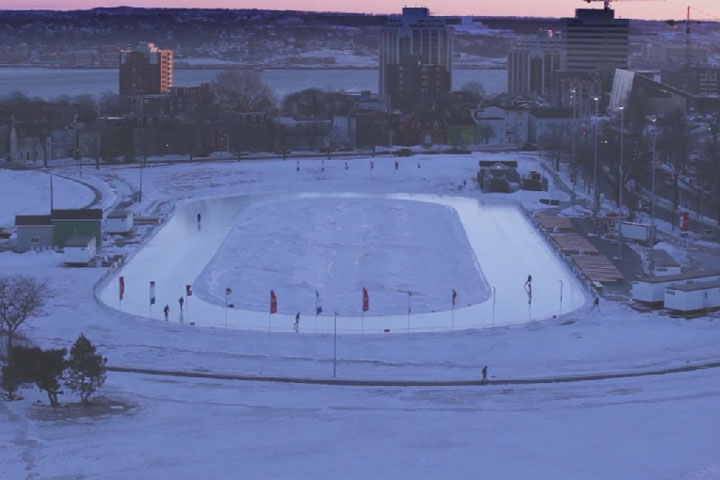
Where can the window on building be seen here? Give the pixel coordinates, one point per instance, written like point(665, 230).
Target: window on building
point(34, 240)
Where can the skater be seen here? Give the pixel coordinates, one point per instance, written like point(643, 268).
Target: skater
point(166, 311)
point(199, 217)
point(528, 282)
point(181, 300)
point(418, 165)
point(596, 303)
point(347, 166)
point(297, 166)
point(484, 372)
point(296, 325)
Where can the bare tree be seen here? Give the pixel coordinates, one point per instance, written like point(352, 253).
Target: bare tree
point(474, 87)
point(21, 297)
point(242, 91)
point(554, 141)
point(674, 147)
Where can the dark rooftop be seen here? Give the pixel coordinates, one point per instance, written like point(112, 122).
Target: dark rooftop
point(33, 220)
point(78, 214)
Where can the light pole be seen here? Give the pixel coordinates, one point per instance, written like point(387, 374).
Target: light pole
point(335, 345)
point(653, 119)
point(596, 199)
point(573, 174)
point(620, 175)
point(493, 309)
point(561, 289)
point(408, 326)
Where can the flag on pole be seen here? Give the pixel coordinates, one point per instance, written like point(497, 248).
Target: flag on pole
point(228, 292)
point(121, 282)
point(454, 296)
point(366, 300)
point(152, 293)
point(318, 304)
point(188, 290)
point(273, 302)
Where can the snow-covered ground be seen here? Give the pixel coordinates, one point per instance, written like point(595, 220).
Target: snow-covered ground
point(25, 192)
point(148, 426)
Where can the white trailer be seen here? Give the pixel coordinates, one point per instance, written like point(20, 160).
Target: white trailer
point(693, 296)
point(640, 232)
point(652, 289)
point(79, 250)
point(119, 221)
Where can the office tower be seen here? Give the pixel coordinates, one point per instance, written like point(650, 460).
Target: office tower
point(596, 42)
point(415, 59)
point(145, 70)
point(532, 61)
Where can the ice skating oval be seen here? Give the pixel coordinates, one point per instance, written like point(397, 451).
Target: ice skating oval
point(505, 244)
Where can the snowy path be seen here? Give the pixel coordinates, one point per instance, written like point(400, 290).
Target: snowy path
point(422, 383)
point(506, 246)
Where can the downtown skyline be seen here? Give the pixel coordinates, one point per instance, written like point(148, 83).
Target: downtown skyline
point(633, 9)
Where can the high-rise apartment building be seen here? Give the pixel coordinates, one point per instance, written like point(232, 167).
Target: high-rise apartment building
point(595, 41)
point(146, 70)
point(415, 59)
point(532, 62)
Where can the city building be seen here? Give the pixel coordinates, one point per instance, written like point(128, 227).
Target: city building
point(415, 59)
point(532, 62)
point(701, 80)
point(595, 42)
point(146, 70)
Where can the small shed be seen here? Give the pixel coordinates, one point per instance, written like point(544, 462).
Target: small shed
point(119, 221)
point(80, 222)
point(693, 296)
point(652, 289)
point(34, 232)
point(79, 250)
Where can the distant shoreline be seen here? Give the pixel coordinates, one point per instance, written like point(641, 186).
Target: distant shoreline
point(247, 67)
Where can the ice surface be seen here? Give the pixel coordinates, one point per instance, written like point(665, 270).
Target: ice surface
point(337, 246)
point(506, 246)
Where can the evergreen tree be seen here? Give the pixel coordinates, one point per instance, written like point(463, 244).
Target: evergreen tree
point(44, 368)
point(86, 369)
point(50, 365)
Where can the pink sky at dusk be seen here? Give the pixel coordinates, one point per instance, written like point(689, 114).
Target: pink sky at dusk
point(648, 9)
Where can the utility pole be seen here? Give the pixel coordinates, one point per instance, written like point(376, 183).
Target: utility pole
point(573, 173)
point(653, 119)
point(621, 178)
point(596, 193)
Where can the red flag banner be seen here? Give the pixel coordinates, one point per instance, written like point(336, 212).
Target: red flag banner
point(121, 282)
point(273, 302)
point(454, 296)
point(366, 300)
point(188, 290)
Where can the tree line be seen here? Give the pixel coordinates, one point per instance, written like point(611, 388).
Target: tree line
point(83, 372)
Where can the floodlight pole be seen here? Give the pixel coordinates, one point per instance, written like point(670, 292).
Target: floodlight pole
point(335, 345)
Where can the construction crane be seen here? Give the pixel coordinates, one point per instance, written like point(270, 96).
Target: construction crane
point(606, 3)
point(687, 22)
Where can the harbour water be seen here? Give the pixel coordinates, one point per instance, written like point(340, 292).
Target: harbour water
point(52, 82)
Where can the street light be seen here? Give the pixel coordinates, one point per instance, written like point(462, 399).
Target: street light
point(621, 178)
point(335, 345)
point(573, 174)
point(596, 202)
point(653, 119)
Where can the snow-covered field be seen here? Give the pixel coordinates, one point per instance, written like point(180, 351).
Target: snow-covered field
point(28, 193)
point(148, 426)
